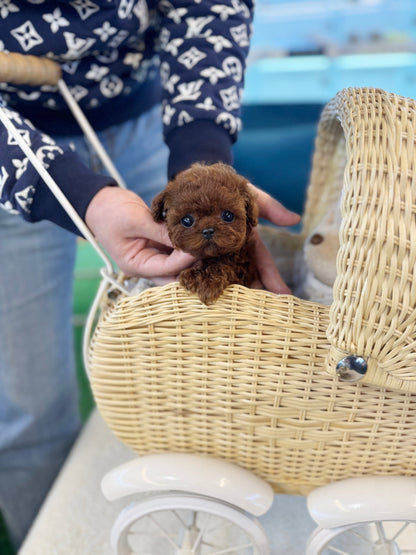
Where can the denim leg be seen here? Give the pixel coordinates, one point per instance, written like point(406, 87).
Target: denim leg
point(139, 153)
point(38, 391)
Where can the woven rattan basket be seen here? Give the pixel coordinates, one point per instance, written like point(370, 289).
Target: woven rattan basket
point(252, 378)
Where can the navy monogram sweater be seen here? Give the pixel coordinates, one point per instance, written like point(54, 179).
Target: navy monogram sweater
point(119, 58)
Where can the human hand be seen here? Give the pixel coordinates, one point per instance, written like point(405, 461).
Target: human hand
point(276, 213)
point(123, 225)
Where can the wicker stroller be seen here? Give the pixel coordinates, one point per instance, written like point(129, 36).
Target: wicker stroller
point(259, 394)
point(302, 395)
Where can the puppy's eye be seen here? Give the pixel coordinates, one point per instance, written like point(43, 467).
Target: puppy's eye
point(187, 221)
point(227, 216)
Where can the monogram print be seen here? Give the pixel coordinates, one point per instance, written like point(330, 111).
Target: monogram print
point(108, 50)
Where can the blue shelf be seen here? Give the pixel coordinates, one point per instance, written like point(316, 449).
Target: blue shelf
point(316, 79)
point(307, 25)
point(308, 50)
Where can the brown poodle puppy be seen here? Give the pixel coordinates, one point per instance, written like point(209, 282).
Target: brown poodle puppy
point(210, 212)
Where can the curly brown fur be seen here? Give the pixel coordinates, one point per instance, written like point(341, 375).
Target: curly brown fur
point(210, 212)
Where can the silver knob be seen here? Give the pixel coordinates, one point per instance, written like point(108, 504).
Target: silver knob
point(351, 368)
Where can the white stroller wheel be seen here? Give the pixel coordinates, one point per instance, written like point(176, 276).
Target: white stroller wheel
point(368, 538)
point(170, 524)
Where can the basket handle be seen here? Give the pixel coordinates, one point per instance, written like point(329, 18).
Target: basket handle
point(373, 314)
point(327, 173)
point(32, 70)
point(24, 69)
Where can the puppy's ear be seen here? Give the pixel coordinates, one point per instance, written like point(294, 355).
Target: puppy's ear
point(252, 211)
point(158, 207)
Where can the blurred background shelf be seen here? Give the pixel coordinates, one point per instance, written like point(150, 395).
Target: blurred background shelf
point(316, 78)
point(332, 27)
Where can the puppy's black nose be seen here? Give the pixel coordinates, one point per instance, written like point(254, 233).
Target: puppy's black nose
point(208, 232)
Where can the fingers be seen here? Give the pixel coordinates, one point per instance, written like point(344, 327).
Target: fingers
point(272, 210)
point(159, 258)
point(155, 231)
point(276, 213)
point(160, 281)
point(152, 263)
point(169, 265)
point(269, 275)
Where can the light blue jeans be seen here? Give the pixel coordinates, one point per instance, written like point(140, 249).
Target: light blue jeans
point(39, 417)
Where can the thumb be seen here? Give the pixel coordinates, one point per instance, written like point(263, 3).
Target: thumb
point(151, 262)
point(272, 210)
point(157, 232)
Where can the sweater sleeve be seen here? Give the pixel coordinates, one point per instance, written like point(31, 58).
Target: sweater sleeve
point(23, 191)
point(204, 46)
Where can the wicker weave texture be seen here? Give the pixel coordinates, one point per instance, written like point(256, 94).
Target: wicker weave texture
point(244, 380)
point(374, 310)
point(251, 379)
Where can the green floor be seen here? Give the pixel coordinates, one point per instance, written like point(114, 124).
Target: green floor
point(5, 546)
point(87, 278)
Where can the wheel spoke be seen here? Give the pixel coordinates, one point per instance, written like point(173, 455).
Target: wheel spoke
point(381, 532)
point(231, 549)
point(381, 535)
point(162, 531)
point(182, 523)
point(360, 536)
point(400, 531)
point(175, 512)
point(336, 550)
point(201, 531)
point(221, 524)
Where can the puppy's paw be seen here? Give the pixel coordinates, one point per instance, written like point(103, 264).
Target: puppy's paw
point(210, 291)
point(191, 279)
point(208, 288)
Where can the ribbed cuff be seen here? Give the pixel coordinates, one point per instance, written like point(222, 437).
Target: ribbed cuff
point(201, 141)
point(77, 182)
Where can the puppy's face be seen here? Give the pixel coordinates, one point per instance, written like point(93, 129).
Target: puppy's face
point(209, 210)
